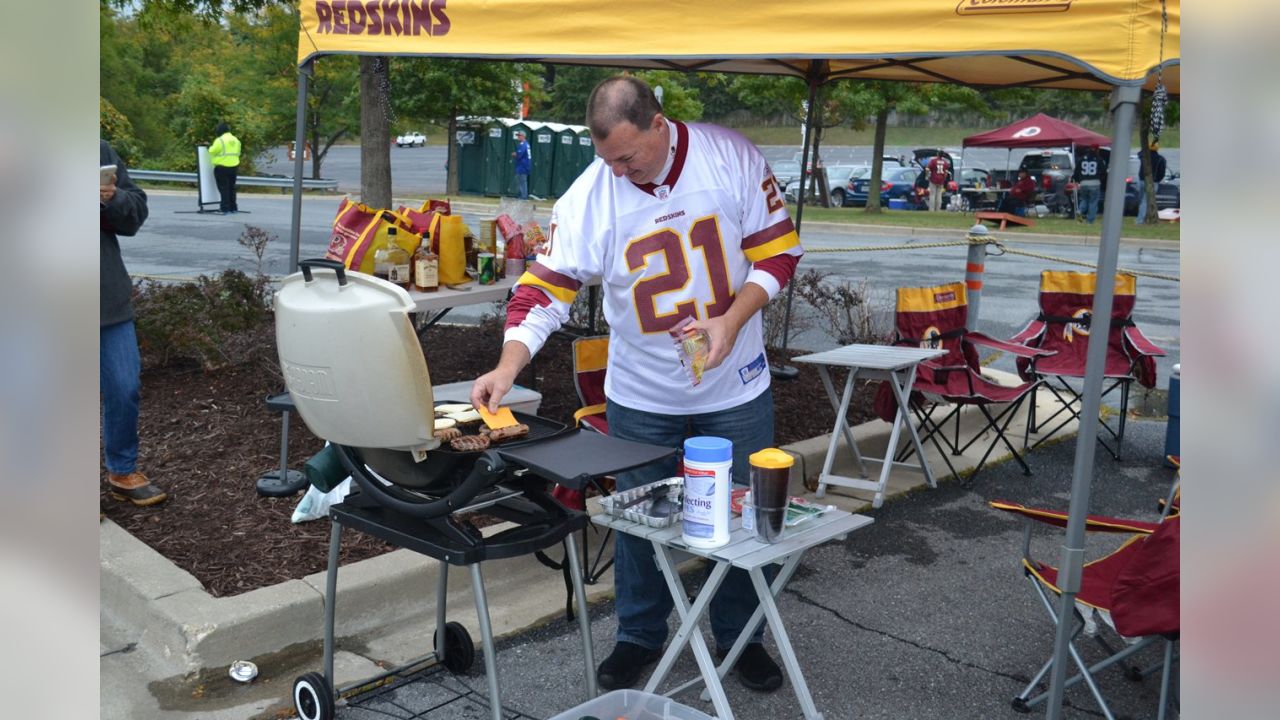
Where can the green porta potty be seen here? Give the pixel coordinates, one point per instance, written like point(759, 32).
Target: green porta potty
point(586, 149)
point(542, 152)
point(565, 167)
point(497, 159)
point(470, 157)
point(527, 127)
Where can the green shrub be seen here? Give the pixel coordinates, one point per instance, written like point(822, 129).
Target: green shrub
point(215, 322)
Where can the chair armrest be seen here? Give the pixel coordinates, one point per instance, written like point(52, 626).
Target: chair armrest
point(1093, 523)
point(1013, 348)
point(1033, 330)
point(1140, 344)
point(588, 410)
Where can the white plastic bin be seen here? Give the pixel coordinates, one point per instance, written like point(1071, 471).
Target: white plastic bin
point(633, 705)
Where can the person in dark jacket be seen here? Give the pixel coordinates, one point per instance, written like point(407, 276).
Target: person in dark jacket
point(1158, 168)
point(122, 208)
point(1089, 173)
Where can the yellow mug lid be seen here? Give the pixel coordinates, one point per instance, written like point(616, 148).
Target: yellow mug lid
point(772, 458)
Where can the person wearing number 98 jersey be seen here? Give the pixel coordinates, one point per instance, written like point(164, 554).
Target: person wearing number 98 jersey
point(675, 220)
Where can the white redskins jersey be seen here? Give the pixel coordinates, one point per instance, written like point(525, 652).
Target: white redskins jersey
point(679, 248)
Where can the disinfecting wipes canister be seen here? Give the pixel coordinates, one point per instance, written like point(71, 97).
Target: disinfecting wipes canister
point(708, 466)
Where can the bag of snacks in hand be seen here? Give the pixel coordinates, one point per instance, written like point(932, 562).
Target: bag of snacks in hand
point(693, 347)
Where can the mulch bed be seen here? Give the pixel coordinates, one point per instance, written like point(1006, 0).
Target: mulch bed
point(207, 436)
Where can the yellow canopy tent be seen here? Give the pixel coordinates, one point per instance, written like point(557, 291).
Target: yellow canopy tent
point(1120, 45)
point(1080, 44)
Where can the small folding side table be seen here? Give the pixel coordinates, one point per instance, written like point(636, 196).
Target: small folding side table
point(897, 366)
point(742, 551)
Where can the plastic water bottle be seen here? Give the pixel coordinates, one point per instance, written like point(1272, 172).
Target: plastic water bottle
point(708, 467)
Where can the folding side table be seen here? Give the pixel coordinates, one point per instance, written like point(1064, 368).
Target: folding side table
point(897, 366)
point(742, 551)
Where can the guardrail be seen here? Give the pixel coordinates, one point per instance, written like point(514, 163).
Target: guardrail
point(285, 183)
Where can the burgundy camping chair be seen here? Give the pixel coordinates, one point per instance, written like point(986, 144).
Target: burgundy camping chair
point(590, 359)
point(935, 317)
point(1133, 590)
point(1063, 326)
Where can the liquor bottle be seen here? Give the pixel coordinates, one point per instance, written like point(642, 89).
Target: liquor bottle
point(426, 267)
point(391, 262)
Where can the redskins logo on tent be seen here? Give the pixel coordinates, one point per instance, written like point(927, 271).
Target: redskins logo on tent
point(932, 338)
point(1079, 324)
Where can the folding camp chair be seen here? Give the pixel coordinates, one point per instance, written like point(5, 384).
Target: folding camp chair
point(1063, 325)
point(590, 358)
point(935, 317)
point(1134, 590)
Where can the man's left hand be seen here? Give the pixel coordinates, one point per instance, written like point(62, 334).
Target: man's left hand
point(105, 193)
point(723, 334)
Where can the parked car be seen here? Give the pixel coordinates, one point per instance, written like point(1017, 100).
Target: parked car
point(785, 171)
point(838, 179)
point(898, 182)
point(1168, 191)
point(411, 139)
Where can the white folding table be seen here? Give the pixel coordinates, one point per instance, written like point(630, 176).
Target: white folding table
point(894, 364)
point(745, 552)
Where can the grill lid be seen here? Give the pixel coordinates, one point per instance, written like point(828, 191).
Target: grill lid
point(351, 359)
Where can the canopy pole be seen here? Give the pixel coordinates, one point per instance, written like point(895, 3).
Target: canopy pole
point(299, 143)
point(816, 70)
point(1124, 101)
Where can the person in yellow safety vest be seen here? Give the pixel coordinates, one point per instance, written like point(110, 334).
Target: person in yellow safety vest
point(225, 153)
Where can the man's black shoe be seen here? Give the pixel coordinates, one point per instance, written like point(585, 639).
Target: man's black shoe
point(623, 666)
point(756, 670)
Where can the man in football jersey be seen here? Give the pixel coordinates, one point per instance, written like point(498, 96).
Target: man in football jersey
point(939, 173)
point(675, 220)
point(1089, 172)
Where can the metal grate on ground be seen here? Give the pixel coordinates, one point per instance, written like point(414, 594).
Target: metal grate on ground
point(430, 694)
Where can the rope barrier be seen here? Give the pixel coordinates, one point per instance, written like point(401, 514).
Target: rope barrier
point(1126, 271)
point(1001, 249)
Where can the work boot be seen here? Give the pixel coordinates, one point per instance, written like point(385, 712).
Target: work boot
point(755, 669)
point(136, 488)
point(623, 666)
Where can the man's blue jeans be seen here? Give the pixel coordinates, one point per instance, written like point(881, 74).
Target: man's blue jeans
point(1089, 193)
point(643, 600)
point(522, 184)
point(119, 368)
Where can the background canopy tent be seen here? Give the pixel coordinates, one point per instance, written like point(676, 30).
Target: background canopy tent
point(1039, 130)
point(1117, 45)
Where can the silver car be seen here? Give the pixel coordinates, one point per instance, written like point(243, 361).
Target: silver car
point(838, 178)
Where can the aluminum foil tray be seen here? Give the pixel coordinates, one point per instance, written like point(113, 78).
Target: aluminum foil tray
point(617, 503)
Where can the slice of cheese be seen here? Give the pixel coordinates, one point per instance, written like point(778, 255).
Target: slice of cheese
point(502, 418)
point(444, 423)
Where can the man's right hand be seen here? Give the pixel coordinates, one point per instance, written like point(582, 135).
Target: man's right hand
point(490, 388)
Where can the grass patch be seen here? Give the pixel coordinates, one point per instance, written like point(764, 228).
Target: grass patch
point(963, 221)
point(908, 136)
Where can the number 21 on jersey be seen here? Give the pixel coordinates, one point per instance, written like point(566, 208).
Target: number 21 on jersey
point(704, 237)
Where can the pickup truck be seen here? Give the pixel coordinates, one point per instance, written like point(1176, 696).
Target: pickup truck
point(413, 139)
point(1051, 170)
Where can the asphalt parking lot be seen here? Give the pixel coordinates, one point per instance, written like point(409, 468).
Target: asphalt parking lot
point(925, 614)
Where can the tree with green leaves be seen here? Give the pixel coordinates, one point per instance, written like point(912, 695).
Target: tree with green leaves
point(838, 104)
point(269, 74)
